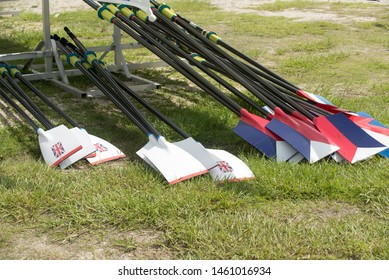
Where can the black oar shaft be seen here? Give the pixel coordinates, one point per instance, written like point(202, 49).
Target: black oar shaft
point(95, 80)
point(33, 110)
point(19, 110)
point(173, 61)
point(116, 88)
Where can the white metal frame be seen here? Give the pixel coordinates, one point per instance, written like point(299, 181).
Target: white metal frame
point(47, 51)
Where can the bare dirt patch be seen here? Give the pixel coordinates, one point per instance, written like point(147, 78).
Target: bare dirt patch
point(107, 245)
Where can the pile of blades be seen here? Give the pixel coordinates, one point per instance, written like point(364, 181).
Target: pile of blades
point(293, 125)
point(59, 145)
point(175, 161)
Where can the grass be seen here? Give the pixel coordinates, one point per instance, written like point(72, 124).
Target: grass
point(319, 211)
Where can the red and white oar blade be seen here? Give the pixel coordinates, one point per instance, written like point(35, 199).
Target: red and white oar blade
point(221, 164)
point(172, 162)
point(313, 97)
point(321, 102)
point(105, 151)
point(57, 144)
point(229, 167)
point(252, 129)
point(308, 141)
point(87, 148)
point(355, 144)
point(372, 123)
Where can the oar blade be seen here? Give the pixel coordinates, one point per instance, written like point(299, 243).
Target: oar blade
point(229, 167)
point(87, 148)
point(221, 164)
point(105, 151)
point(252, 129)
point(355, 144)
point(303, 137)
point(172, 162)
point(375, 122)
point(57, 144)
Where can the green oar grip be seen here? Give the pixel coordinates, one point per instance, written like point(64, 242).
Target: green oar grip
point(90, 57)
point(112, 8)
point(13, 70)
point(197, 57)
point(142, 16)
point(104, 13)
point(127, 12)
point(3, 69)
point(212, 36)
point(167, 12)
point(72, 59)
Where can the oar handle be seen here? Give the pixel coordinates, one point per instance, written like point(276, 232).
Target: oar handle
point(74, 38)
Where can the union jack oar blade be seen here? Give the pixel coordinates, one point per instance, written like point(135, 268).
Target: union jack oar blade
point(312, 144)
point(210, 158)
point(373, 124)
point(252, 129)
point(355, 144)
point(87, 148)
point(174, 163)
point(221, 164)
point(57, 144)
point(229, 167)
point(105, 151)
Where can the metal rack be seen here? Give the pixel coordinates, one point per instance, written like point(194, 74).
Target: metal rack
point(46, 49)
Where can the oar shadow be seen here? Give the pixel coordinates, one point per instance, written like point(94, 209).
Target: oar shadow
point(22, 134)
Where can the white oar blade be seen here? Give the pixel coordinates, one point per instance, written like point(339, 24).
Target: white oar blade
point(105, 151)
point(229, 167)
point(173, 163)
point(87, 147)
point(141, 152)
point(221, 164)
point(57, 144)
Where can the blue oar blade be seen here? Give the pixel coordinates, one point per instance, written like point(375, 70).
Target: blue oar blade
point(355, 144)
point(252, 129)
point(258, 139)
point(301, 136)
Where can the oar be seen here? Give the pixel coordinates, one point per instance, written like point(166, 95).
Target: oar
point(174, 163)
point(352, 147)
point(102, 150)
point(188, 145)
point(264, 139)
point(221, 164)
point(302, 130)
point(56, 144)
point(285, 151)
point(267, 73)
point(81, 136)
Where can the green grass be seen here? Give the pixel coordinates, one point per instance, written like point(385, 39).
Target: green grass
point(301, 211)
